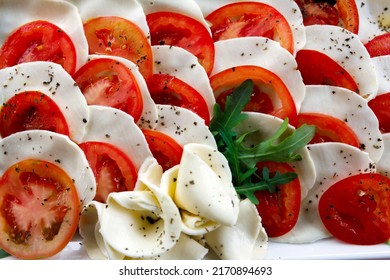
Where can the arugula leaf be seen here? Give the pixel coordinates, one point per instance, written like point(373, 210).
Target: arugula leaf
point(3, 254)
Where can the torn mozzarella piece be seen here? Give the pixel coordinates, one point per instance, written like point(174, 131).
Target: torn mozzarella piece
point(351, 108)
point(382, 68)
point(246, 240)
point(346, 49)
point(383, 165)
point(333, 162)
point(15, 13)
point(261, 52)
point(55, 148)
point(52, 80)
point(178, 62)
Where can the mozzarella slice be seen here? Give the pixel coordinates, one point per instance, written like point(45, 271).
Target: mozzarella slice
point(54, 148)
point(351, 108)
point(180, 63)
point(383, 165)
point(52, 80)
point(333, 162)
point(246, 240)
point(261, 52)
point(348, 51)
point(15, 13)
point(382, 68)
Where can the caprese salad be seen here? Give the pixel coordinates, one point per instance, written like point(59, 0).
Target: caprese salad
point(192, 129)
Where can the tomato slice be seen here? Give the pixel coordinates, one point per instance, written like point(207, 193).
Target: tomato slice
point(251, 19)
point(108, 82)
point(319, 69)
point(380, 106)
point(31, 110)
point(170, 90)
point(120, 37)
point(39, 41)
point(174, 29)
point(268, 86)
point(113, 170)
point(329, 129)
point(165, 149)
point(356, 209)
point(279, 211)
point(379, 46)
point(39, 209)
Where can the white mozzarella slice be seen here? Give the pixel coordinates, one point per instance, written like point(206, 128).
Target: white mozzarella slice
point(54, 148)
point(115, 127)
point(177, 62)
point(348, 51)
point(382, 68)
point(15, 13)
point(246, 240)
point(289, 9)
point(265, 127)
point(127, 9)
point(183, 125)
point(261, 52)
point(374, 18)
point(52, 80)
point(333, 162)
point(350, 107)
point(149, 111)
point(383, 165)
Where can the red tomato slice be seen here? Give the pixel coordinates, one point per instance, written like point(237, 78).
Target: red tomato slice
point(113, 170)
point(279, 211)
point(380, 105)
point(168, 28)
point(379, 46)
point(39, 209)
point(108, 82)
point(225, 82)
point(251, 19)
point(120, 37)
point(356, 210)
point(167, 89)
point(39, 41)
point(329, 129)
point(165, 149)
point(319, 69)
point(31, 110)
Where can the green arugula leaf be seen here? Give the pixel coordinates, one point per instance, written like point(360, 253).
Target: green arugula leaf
point(3, 254)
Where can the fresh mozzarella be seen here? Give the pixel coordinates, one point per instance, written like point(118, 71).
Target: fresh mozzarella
point(261, 52)
point(15, 13)
point(348, 51)
point(177, 62)
point(333, 162)
point(54, 148)
point(374, 18)
point(350, 107)
point(382, 68)
point(265, 127)
point(125, 134)
point(52, 80)
point(383, 166)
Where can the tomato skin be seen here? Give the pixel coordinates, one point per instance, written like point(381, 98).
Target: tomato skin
point(174, 29)
point(108, 82)
point(113, 170)
point(356, 209)
point(31, 110)
point(380, 106)
point(39, 41)
point(250, 19)
point(120, 37)
point(164, 148)
point(379, 46)
point(279, 211)
point(39, 209)
point(170, 90)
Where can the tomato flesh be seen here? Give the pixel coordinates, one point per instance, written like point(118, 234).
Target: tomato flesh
point(380, 106)
point(39, 41)
point(379, 46)
point(39, 209)
point(279, 211)
point(357, 209)
point(31, 110)
point(108, 82)
point(113, 170)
